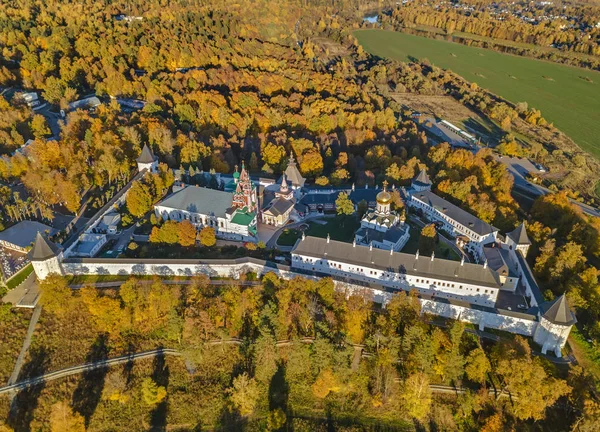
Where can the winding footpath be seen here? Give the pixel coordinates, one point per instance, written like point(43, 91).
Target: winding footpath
point(14, 388)
point(74, 370)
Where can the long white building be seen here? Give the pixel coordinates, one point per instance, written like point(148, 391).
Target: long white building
point(474, 293)
point(452, 218)
point(475, 283)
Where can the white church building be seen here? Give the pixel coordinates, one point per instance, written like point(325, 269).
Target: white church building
point(381, 227)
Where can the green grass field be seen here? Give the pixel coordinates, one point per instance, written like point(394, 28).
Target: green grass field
point(18, 278)
point(567, 96)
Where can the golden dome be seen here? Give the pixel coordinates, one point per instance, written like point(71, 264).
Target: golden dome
point(384, 197)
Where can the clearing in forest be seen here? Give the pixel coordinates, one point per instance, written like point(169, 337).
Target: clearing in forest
point(567, 96)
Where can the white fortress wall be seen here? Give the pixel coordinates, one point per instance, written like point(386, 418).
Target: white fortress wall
point(523, 325)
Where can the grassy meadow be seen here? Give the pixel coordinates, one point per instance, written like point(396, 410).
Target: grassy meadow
point(567, 96)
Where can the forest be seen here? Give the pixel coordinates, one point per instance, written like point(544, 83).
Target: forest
point(298, 360)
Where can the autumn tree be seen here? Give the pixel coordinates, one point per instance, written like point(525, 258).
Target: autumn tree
point(64, 419)
point(326, 383)
point(427, 239)
point(139, 200)
point(244, 394)
point(186, 234)
point(518, 372)
point(39, 127)
point(152, 393)
point(311, 164)
point(56, 295)
point(108, 316)
point(207, 237)
point(344, 205)
point(168, 233)
point(416, 395)
point(477, 366)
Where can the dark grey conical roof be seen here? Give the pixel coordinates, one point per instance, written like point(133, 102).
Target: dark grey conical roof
point(43, 249)
point(558, 312)
point(422, 178)
point(293, 174)
point(146, 156)
point(519, 235)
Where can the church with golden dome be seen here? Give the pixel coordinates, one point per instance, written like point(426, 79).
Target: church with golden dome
point(381, 227)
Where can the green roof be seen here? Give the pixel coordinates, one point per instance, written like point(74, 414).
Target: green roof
point(243, 217)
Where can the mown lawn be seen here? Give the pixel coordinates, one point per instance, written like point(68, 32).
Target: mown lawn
point(567, 96)
point(339, 228)
point(18, 278)
point(442, 250)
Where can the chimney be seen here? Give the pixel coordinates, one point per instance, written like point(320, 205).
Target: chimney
point(485, 263)
point(432, 255)
point(392, 251)
point(303, 236)
point(371, 246)
point(327, 237)
point(417, 254)
point(354, 242)
point(352, 187)
point(462, 261)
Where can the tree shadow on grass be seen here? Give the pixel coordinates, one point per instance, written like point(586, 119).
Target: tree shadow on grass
point(26, 401)
point(279, 389)
point(128, 368)
point(160, 375)
point(231, 420)
point(89, 389)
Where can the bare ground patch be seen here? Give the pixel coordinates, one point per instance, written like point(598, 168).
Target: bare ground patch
point(331, 48)
point(448, 108)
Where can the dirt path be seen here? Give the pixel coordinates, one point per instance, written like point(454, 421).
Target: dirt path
point(19, 363)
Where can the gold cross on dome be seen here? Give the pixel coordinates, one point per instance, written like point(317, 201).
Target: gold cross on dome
point(385, 183)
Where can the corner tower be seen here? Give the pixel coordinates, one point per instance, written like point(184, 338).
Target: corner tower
point(45, 257)
point(518, 239)
point(554, 325)
point(421, 182)
point(147, 160)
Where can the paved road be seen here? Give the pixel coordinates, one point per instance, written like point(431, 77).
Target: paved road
point(519, 168)
point(19, 363)
point(123, 238)
point(273, 241)
point(52, 118)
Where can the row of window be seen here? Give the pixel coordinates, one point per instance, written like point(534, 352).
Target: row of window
point(375, 273)
point(456, 225)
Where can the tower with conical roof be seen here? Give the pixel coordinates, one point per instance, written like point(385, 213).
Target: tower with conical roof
point(284, 191)
point(555, 320)
point(518, 239)
point(45, 257)
point(293, 175)
point(421, 182)
point(147, 160)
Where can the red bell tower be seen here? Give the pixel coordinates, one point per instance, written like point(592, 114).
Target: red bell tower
point(245, 192)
